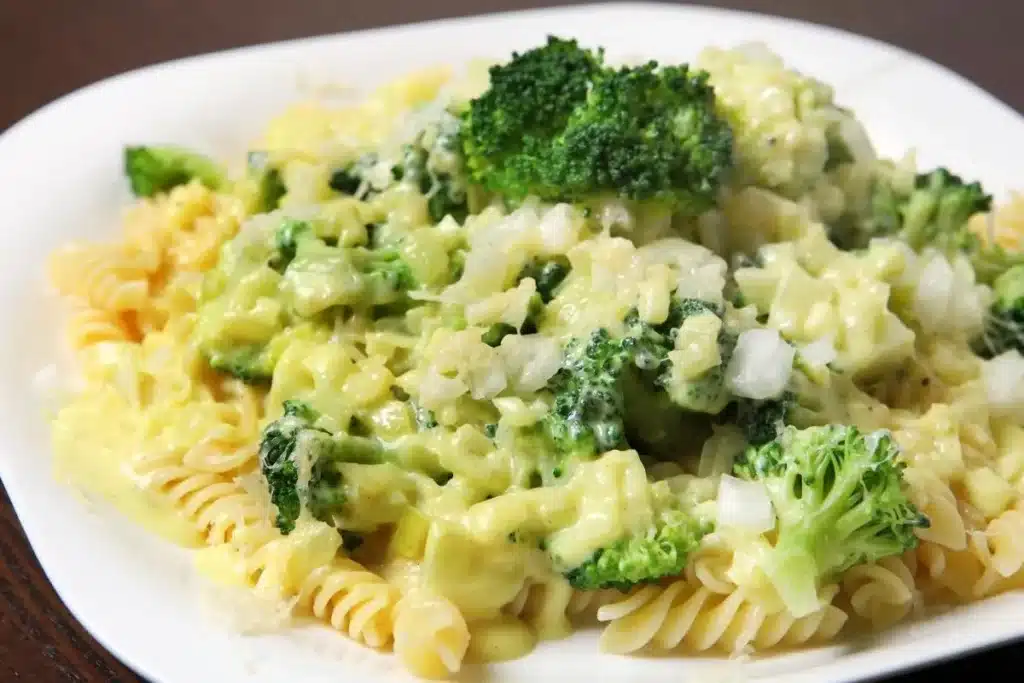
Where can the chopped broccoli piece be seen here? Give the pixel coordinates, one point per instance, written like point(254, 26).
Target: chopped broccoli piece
point(1004, 324)
point(660, 551)
point(706, 393)
point(431, 162)
point(250, 363)
point(586, 419)
point(286, 242)
point(496, 332)
point(934, 214)
point(293, 444)
point(548, 274)
point(839, 500)
point(610, 391)
point(559, 124)
point(763, 421)
point(350, 179)
point(269, 186)
point(279, 460)
point(155, 169)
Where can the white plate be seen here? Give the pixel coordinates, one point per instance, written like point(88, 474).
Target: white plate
point(60, 178)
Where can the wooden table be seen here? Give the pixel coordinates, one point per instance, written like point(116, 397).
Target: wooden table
point(49, 47)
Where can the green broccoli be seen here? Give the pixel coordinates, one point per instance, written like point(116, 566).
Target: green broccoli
point(1004, 324)
point(493, 335)
point(839, 500)
point(557, 123)
point(763, 421)
point(614, 391)
point(432, 163)
point(660, 551)
point(155, 169)
point(586, 418)
point(250, 363)
point(286, 242)
point(547, 273)
point(292, 445)
point(269, 187)
point(351, 178)
point(934, 214)
point(704, 394)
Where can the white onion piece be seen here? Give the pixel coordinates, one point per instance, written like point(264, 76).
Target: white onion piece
point(820, 352)
point(934, 293)
point(530, 360)
point(436, 389)
point(558, 231)
point(856, 139)
point(1004, 382)
point(487, 382)
point(760, 365)
point(744, 505)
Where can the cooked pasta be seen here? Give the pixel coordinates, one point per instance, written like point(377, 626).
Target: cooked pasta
point(464, 366)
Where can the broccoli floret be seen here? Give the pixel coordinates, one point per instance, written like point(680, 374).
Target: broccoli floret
point(559, 124)
point(286, 443)
point(432, 163)
point(934, 214)
point(763, 421)
point(1004, 324)
point(706, 393)
point(493, 335)
point(250, 363)
point(586, 419)
point(152, 170)
point(548, 274)
point(293, 444)
point(268, 186)
point(286, 242)
point(660, 551)
point(350, 179)
point(839, 500)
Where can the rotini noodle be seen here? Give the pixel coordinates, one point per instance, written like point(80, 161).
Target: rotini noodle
point(352, 600)
point(89, 326)
point(694, 617)
point(431, 636)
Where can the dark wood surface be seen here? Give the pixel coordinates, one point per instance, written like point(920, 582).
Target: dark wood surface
point(49, 47)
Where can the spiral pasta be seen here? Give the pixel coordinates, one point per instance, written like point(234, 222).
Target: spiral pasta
point(882, 593)
point(431, 635)
point(88, 326)
point(693, 617)
point(354, 601)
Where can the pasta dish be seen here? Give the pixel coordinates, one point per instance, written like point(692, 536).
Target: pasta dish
point(506, 351)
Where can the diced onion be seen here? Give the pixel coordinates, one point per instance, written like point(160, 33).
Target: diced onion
point(760, 364)
point(934, 293)
point(1004, 382)
point(744, 505)
point(946, 298)
point(530, 360)
point(820, 352)
point(488, 382)
point(558, 231)
point(436, 389)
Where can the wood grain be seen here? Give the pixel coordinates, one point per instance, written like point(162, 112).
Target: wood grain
point(50, 47)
